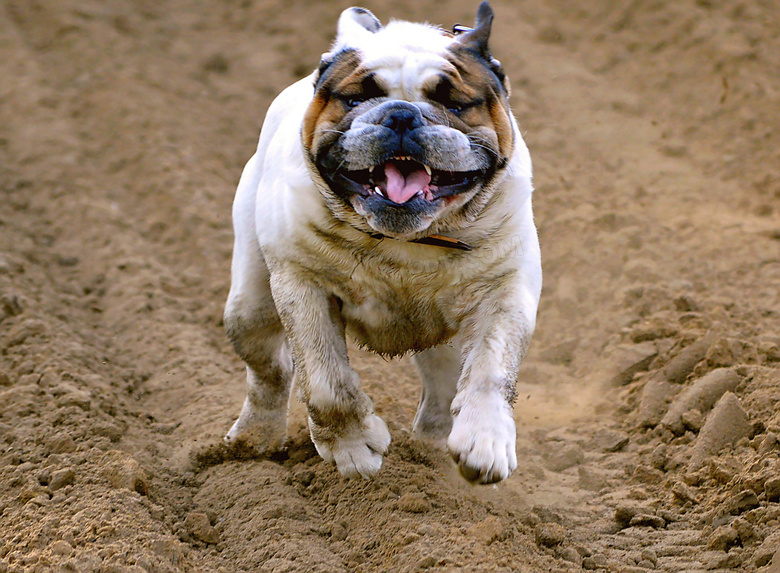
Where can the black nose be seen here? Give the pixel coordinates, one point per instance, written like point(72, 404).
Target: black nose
point(401, 119)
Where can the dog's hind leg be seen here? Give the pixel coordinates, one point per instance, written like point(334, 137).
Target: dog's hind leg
point(253, 326)
point(439, 369)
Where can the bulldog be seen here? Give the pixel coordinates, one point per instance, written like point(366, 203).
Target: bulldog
point(389, 200)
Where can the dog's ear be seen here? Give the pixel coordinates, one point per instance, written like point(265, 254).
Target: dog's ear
point(355, 23)
point(477, 37)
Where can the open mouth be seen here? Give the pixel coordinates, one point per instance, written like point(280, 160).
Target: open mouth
point(401, 179)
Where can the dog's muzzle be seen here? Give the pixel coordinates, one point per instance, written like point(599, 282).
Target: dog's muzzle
point(395, 153)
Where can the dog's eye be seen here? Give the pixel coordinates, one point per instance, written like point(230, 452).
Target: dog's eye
point(353, 101)
point(458, 108)
point(366, 90)
point(445, 95)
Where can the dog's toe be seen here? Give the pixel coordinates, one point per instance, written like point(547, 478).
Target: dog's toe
point(483, 446)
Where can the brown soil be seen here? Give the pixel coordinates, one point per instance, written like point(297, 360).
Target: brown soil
point(654, 132)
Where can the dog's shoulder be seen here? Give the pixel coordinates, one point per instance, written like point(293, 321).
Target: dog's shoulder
point(286, 197)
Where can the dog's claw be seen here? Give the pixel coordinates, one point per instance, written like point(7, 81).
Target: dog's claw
point(469, 473)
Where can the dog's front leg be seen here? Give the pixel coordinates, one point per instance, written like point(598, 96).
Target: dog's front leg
point(494, 339)
point(342, 422)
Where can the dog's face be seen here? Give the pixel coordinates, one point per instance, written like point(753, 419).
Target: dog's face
point(409, 124)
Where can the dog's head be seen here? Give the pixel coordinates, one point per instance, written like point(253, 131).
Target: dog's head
point(409, 125)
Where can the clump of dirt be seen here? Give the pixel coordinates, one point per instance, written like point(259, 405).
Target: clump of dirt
point(648, 417)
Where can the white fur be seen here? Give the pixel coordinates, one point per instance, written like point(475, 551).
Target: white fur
point(276, 204)
point(477, 444)
point(359, 453)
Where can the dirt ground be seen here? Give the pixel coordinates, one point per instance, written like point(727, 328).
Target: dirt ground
point(649, 408)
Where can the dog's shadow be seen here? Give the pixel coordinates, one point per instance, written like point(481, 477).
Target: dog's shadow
point(299, 450)
point(296, 450)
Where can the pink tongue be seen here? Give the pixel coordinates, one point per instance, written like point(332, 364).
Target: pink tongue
point(400, 189)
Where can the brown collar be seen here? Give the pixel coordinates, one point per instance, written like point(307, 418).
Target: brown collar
point(434, 240)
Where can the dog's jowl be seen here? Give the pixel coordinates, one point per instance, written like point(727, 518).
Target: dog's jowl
point(389, 200)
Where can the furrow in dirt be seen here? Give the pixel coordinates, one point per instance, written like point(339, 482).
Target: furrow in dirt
point(648, 415)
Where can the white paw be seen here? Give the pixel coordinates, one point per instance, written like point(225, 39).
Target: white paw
point(482, 441)
point(358, 452)
point(262, 430)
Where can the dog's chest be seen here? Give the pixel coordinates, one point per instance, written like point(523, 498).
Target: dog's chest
point(398, 312)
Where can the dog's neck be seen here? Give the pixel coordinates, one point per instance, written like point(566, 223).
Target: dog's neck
point(433, 240)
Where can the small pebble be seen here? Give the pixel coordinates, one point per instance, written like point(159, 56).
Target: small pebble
point(61, 478)
point(591, 479)
point(648, 475)
point(413, 503)
point(569, 554)
point(726, 424)
point(565, 457)
point(649, 554)
point(722, 538)
point(594, 562)
point(745, 530)
point(772, 489)
point(488, 530)
point(339, 533)
point(609, 441)
point(659, 456)
point(304, 477)
point(624, 514)
point(742, 502)
point(680, 367)
point(767, 552)
point(630, 359)
point(128, 474)
point(647, 520)
point(769, 443)
point(702, 396)
point(61, 548)
point(683, 493)
point(549, 534)
point(653, 400)
point(693, 420)
point(198, 526)
point(61, 443)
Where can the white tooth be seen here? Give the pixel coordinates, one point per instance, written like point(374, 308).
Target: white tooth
point(427, 169)
point(378, 191)
point(371, 169)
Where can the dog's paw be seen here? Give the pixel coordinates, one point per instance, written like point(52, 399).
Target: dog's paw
point(263, 431)
point(357, 452)
point(482, 441)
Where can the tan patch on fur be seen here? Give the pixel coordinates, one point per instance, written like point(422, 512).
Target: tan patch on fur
point(473, 79)
point(325, 111)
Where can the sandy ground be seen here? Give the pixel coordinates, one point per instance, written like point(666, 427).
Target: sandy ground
point(654, 131)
